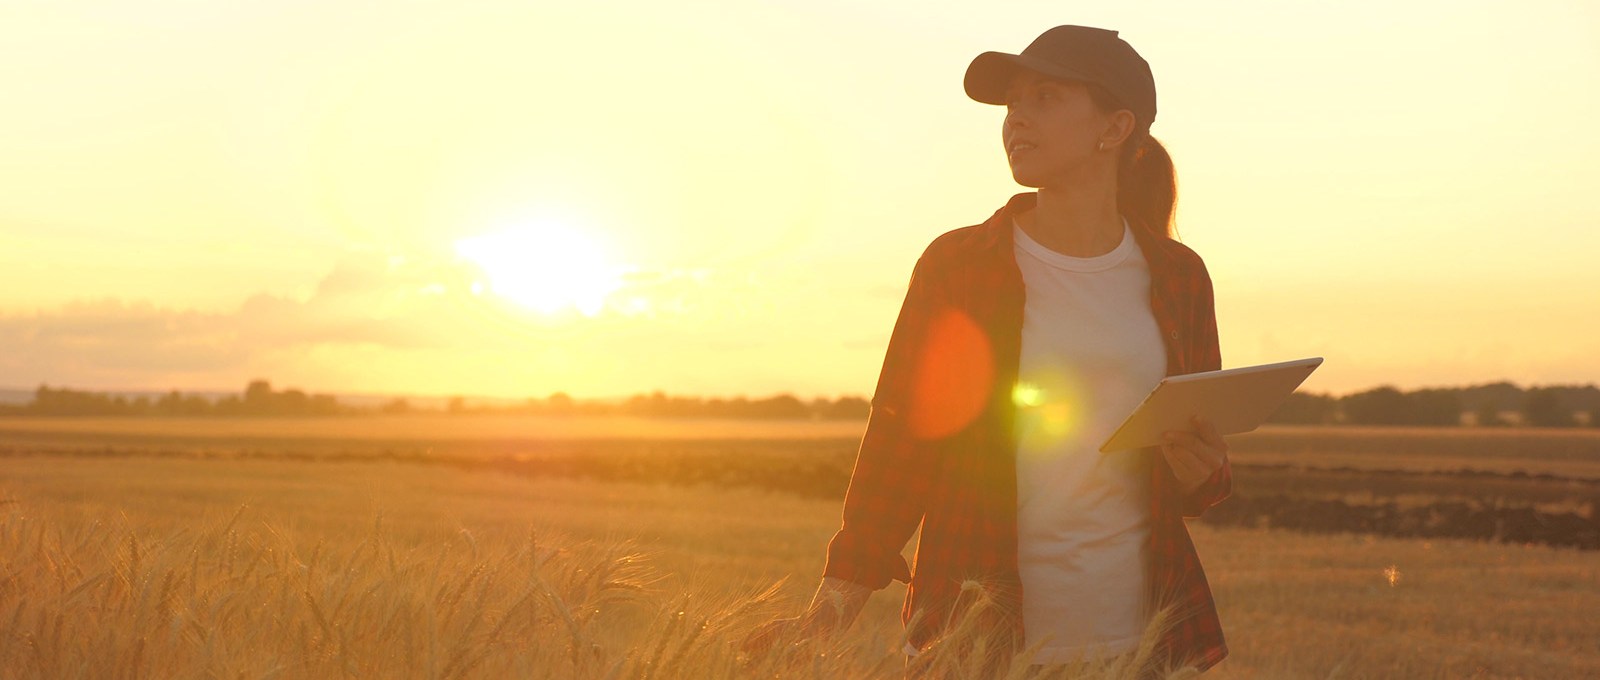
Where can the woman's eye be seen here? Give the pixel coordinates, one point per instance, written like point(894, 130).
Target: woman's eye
point(1035, 95)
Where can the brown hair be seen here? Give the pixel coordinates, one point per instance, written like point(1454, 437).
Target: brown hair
point(1147, 185)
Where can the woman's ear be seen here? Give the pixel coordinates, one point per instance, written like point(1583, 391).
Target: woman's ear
point(1119, 126)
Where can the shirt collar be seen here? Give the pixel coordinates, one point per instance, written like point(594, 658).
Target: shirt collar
point(995, 235)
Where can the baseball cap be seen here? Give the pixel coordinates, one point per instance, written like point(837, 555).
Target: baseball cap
point(1082, 53)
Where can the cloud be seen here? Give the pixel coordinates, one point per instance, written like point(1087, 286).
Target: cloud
point(372, 310)
point(364, 301)
point(114, 335)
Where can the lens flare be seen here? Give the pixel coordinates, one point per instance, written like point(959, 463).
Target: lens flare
point(954, 376)
point(1050, 409)
point(1027, 395)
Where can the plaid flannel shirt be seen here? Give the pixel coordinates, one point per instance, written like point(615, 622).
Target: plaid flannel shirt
point(939, 449)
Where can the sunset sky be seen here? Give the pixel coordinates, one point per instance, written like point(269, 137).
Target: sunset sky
point(602, 198)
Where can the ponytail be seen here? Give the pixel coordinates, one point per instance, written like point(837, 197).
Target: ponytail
point(1147, 188)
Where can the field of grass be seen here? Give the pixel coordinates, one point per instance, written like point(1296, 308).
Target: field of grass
point(1564, 452)
point(136, 555)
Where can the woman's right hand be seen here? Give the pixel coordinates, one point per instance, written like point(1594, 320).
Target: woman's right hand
point(835, 606)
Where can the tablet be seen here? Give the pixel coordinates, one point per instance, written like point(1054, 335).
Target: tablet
point(1235, 400)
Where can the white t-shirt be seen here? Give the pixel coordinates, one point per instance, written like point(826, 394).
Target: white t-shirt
point(1091, 351)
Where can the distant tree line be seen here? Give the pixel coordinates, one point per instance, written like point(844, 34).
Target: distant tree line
point(662, 405)
point(1495, 404)
point(658, 404)
point(1491, 405)
point(260, 399)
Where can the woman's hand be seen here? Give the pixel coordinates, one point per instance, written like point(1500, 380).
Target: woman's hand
point(1196, 454)
point(835, 606)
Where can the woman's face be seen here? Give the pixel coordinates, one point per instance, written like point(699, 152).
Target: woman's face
point(1052, 130)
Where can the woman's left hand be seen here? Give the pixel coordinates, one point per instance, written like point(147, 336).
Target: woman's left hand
point(1196, 454)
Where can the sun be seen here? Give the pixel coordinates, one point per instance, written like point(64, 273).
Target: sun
point(546, 267)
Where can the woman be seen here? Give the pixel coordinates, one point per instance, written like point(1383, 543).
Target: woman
point(1022, 343)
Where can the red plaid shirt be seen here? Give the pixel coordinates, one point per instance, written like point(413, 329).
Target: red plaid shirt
point(939, 449)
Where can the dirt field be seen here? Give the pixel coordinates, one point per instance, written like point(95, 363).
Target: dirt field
point(416, 428)
point(1565, 452)
point(145, 549)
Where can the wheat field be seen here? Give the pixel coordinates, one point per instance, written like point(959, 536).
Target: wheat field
point(94, 594)
point(158, 567)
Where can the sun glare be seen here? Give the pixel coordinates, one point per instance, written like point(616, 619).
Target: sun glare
point(544, 267)
point(1048, 409)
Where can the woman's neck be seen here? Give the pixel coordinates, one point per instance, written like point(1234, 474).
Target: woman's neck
point(1079, 221)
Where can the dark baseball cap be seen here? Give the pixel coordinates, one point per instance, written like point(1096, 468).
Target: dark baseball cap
point(1082, 53)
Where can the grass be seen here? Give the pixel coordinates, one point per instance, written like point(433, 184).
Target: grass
point(256, 593)
point(1567, 452)
point(398, 570)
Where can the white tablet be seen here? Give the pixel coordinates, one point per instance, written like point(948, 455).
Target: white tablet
point(1235, 400)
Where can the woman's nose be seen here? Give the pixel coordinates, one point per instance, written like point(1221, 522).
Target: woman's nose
point(1015, 120)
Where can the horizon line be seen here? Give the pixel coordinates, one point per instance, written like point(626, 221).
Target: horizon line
point(835, 396)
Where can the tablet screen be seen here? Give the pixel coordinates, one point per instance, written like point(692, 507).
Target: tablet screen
point(1235, 400)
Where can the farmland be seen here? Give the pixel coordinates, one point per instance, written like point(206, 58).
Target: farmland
point(716, 513)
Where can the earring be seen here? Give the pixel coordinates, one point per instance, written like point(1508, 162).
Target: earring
point(1102, 146)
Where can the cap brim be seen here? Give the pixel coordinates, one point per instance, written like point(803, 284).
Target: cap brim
point(990, 74)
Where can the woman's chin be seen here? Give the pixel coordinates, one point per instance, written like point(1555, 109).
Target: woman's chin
point(1027, 179)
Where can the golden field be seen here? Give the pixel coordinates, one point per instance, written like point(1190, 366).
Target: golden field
point(171, 552)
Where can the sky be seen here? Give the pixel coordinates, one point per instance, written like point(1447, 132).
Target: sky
point(727, 197)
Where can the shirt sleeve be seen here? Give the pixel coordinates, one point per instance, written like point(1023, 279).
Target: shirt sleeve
point(1208, 357)
point(1214, 490)
point(894, 469)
